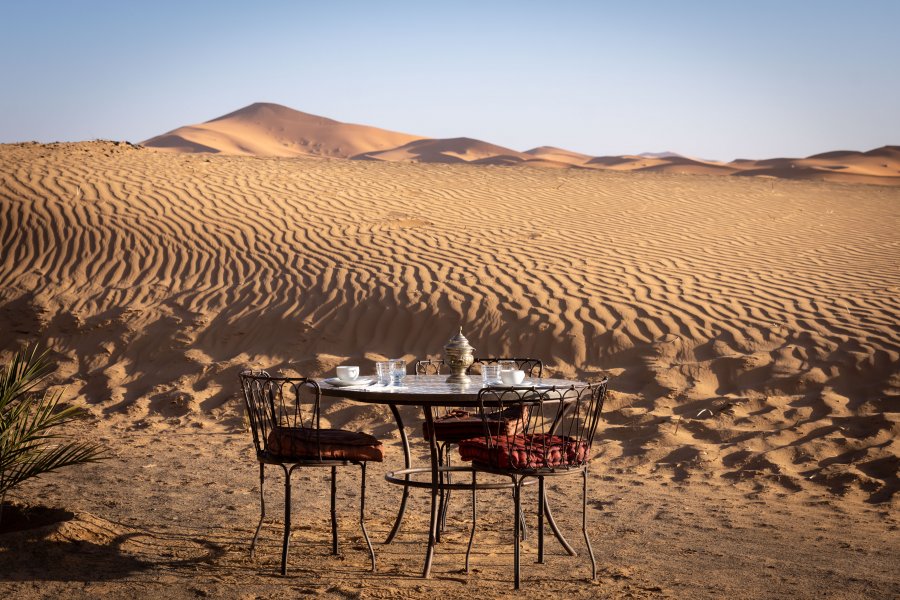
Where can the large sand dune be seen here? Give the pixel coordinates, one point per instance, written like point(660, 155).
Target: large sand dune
point(265, 129)
point(751, 327)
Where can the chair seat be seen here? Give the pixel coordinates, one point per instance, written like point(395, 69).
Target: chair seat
point(304, 443)
point(529, 451)
point(458, 425)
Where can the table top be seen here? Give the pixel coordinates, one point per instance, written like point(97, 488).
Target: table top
point(418, 390)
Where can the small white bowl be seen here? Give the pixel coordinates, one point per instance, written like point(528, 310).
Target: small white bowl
point(512, 377)
point(346, 373)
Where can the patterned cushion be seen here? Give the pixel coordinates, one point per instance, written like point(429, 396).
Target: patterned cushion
point(528, 451)
point(458, 425)
point(336, 444)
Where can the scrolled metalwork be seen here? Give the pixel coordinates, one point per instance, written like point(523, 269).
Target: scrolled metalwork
point(553, 436)
point(275, 404)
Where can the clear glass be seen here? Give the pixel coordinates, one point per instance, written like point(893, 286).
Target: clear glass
point(383, 372)
point(398, 371)
point(490, 374)
point(507, 365)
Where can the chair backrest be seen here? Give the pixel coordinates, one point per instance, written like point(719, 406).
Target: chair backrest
point(284, 402)
point(432, 366)
point(540, 429)
point(533, 367)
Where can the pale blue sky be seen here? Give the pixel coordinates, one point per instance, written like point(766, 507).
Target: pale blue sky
point(714, 79)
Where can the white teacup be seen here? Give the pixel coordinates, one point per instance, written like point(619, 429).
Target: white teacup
point(512, 377)
point(347, 373)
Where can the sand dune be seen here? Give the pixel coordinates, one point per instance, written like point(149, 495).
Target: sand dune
point(265, 129)
point(452, 150)
point(751, 329)
point(664, 163)
point(878, 166)
point(559, 155)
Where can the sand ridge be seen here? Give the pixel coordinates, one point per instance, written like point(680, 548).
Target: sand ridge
point(750, 327)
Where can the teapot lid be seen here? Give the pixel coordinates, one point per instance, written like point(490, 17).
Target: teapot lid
point(458, 342)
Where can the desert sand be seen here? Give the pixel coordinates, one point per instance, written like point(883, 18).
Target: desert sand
point(750, 327)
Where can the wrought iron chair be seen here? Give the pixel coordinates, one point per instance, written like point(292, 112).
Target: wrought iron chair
point(284, 419)
point(457, 424)
point(552, 437)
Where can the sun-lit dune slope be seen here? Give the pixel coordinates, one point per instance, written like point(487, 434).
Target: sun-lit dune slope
point(265, 129)
point(750, 326)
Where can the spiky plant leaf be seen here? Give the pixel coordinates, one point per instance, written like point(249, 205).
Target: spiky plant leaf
point(30, 444)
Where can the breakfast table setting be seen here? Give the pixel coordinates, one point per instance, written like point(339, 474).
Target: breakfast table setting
point(392, 386)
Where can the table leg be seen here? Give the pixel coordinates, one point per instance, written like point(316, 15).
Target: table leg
point(543, 496)
point(432, 527)
point(407, 462)
point(553, 526)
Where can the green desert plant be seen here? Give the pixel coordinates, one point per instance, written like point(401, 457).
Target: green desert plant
point(29, 443)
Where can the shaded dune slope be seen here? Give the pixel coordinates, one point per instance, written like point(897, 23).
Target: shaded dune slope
point(751, 329)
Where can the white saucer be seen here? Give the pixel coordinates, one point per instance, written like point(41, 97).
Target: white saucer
point(360, 381)
point(524, 385)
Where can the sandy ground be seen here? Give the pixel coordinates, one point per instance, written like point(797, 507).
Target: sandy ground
point(173, 514)
point(750, 327)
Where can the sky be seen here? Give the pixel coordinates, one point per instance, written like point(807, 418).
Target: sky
point(717, 79)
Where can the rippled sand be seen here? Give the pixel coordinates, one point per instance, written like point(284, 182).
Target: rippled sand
point(750, 325)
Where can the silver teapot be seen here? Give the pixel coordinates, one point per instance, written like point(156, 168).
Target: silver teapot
point(458, 356)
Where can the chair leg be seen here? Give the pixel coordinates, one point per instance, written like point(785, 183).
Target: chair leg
point(474, 516)
point(287, 518)
point(334, 524)
point(362, 514)
point(522, 521)
point(540, 531)
point(517, 497)
point(587, 540)
point(262, 507)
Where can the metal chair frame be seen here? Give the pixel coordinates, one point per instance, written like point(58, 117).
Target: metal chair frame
point(276, 401)
point(533, 367)
point(573, 414)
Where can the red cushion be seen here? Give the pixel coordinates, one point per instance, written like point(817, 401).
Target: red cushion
point(528, 451)
point(335, 444)
point(458, 425)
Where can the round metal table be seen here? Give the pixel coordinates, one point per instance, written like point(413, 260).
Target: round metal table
point(430, 392)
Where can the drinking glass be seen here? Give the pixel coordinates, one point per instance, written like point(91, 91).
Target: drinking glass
point(398, 371)
point(507, 365)
point(383, 371)
point(490, 374)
